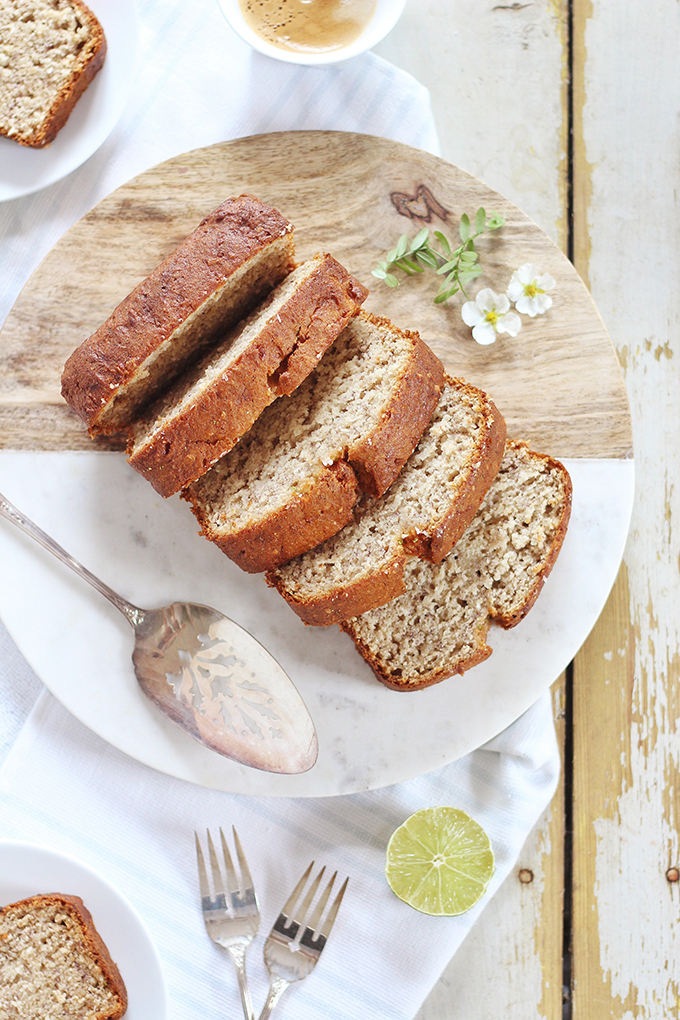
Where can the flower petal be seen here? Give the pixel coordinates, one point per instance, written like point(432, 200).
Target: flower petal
point(472, 313)
point(486, 300)
point(515, 288)
point(484, 333)
point(545, 282)
point(527, 273)
point(509, 323)
point(502, 304)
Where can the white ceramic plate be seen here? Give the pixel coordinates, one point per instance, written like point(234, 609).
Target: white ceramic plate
point(147, 549)
point(27, 870)
point(24, 170)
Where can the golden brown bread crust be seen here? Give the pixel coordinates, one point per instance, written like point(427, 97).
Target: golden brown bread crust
point(284, 352)
point(434, 545)
point(322, 508)
point(325, 504)
point(378, 457)
point(91, 937)
point(433, 542)
point(482, 652)
point(90, 61)
point(362, 594)
point(490, 614)
point(224, 242)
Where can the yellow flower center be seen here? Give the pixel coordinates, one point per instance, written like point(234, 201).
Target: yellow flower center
point(531, 290)
point(492, 317)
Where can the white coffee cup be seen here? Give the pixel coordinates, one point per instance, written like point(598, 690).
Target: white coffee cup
point(385, 17)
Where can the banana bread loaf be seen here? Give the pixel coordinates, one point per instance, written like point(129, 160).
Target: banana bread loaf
point(494, 573)
point(423, 513)
point(212, 279)
point(208, 410)
point(53, 962)
point(349, 428)
point(50, 50)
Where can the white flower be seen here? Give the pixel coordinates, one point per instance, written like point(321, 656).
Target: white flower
point(488, 314)
point(527, 288)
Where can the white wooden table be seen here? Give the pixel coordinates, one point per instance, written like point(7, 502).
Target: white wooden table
point(571, 109)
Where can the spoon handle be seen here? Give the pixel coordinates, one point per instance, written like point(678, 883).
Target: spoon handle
point(133, 614)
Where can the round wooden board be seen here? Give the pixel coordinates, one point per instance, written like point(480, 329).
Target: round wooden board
point(558, 384)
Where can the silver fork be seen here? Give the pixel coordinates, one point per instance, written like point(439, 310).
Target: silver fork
point(232, 918)
point(288, 957)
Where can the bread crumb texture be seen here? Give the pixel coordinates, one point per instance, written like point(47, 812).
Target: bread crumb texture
point(348, 394)
point(49, 969)
point(494, 573)
point(44, 46)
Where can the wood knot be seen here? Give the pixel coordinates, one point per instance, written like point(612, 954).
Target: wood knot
point(525, 876)
point(420, 206)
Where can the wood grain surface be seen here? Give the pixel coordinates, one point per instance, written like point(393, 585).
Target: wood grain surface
point(558, 384)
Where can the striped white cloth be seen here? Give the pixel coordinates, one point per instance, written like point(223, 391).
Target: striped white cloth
point(63, 787)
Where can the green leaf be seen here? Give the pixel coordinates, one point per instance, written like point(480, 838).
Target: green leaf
point(420, 239)
point(480, 221)
point(495, 221)
point(379, 272)
point(444, 242)
point(391, 281)
point(402, 246)
point(426, 256)
point(464, 229)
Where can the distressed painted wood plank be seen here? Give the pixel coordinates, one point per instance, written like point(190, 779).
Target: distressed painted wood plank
point(627, 698)
point(510, 965)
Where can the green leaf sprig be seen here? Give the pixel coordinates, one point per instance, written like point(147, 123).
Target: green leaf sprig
point(458, 265)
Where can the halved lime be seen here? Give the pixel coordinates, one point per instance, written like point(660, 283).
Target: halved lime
point(439, 861)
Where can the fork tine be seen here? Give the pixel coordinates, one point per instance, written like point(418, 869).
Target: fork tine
point(243, 864)
point(323, 900)
point(303, 910)
point(232, 880)
point(217, 877)
point(332, 913)
point(293, 898)
point(202, 873)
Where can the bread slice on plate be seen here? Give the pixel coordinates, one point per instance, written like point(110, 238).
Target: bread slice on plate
point(50, 50)
point(209, 408)
point(494, 573)
point(212, 279)
point(423, 513)
point(349, 428)
point(53, 962)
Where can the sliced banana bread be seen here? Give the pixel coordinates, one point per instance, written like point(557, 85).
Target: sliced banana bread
point(423, 513)
point(494, 573)
point(349, 428)
point(53, 962)
point(50, 50)
point(212, 279)
point(208, 410)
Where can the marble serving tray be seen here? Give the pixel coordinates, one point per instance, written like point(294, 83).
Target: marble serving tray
point(558, 385)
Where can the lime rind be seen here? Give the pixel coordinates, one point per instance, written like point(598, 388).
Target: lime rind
point(439, 861)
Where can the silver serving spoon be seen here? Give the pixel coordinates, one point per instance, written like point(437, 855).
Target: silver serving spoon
point(208, 675)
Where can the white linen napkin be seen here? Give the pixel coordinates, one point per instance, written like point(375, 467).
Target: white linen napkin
point(62, 786)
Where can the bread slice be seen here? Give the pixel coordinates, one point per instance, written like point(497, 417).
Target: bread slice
point(494, 573)
point(212, 279)
point(293, 479)
point(424, 513)
point(50, 50)
point(209, 409)
point(53, 962)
